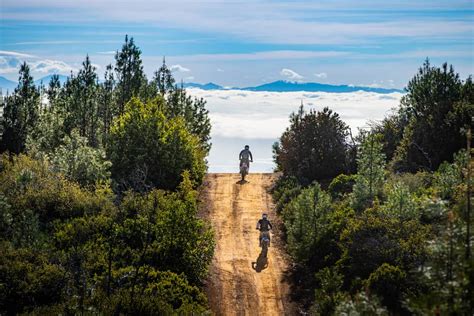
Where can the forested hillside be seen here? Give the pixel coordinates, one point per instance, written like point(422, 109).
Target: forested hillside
point(382, 224)
point(98, 208)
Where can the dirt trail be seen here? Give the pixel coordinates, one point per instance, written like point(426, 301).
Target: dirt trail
point(241, 281)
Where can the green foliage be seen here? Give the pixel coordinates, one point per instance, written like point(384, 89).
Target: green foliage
point(448, 177)
point(400, 202)
point(341, 185)
point(28, 279)
point(361, 304)
point(163, 80)
point(32, 185)
point(129, 73)
point(313, 147)
point(69, 249)
point(48, 133)
point(402, 242)
point(306, 219)
point(80, 99)
point(194, 113)
point(20, 113)
point(370, 172)
point(329, 294)
point(68, 244)
point(285, 189)
point(79, 162)
point(391, 132)
point(438, 106)
point(388, 282)
point(148, 150)
point(107, 106)
point(373, 240)
point(167, 233)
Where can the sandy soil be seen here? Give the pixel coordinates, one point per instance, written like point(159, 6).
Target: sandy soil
point(241, 281)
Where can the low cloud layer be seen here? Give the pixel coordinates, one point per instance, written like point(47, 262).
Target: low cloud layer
point(259, 118)
point(259, 115)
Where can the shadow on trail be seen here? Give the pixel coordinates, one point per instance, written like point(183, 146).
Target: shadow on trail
point(261, 263)
point(241, 182)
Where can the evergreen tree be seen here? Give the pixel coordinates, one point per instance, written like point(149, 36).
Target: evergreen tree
point(313, 147)
point(164, 80)
point(82, 107)
point(53, 90)
point(107, 110)
point(370, 171)
point(20, 113)
point(129, 73)
point(194, 112)
point(434, 130)
point(149, 150)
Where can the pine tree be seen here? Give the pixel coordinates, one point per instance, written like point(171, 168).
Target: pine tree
point(435, 124)
point(129, 73)
point(370, 171)
point(193, 111)
point(164, 80)
point(81, 94)
point(313, 147)
point(54, 88)
point(20, 113)
point(107, 110)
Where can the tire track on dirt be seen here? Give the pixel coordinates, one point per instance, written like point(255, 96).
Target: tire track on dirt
point(241, 282)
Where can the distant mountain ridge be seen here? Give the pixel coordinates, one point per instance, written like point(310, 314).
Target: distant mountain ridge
point(276, 86)
point(47, 79)
point(9, 85)
point(288, 86)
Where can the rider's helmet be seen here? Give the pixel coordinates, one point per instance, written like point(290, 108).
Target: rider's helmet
point(264, 215)
point(247, 146)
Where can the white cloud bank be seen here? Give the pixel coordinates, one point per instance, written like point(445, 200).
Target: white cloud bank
point(264, 115)
point(259, 118)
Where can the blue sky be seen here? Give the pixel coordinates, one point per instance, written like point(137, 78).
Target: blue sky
point(243, 43)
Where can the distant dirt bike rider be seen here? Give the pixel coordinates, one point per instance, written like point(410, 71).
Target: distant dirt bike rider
point(264, 227)
point(245, 156)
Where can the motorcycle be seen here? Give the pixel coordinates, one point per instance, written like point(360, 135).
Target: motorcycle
point(264, 243)
point(244, 170)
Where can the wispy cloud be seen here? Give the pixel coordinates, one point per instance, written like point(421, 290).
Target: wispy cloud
point(109, 52)
point(265, 55)
point(179, 68)
point(10, 63)
point(47, 66)
point(321, 75)
point(290, 74)
point(15, 54)
point(283, 22)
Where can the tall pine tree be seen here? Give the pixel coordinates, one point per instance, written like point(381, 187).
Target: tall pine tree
point(107, 108)
point(128, 72)
point(20, 113)
point(164, 80)
point(82, 107)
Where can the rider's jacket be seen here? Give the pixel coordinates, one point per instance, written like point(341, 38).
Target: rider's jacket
point(264, 225)
point(245, 155)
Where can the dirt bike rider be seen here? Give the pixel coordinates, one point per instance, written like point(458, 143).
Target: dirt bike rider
point(264, 227)
point(245, 156)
